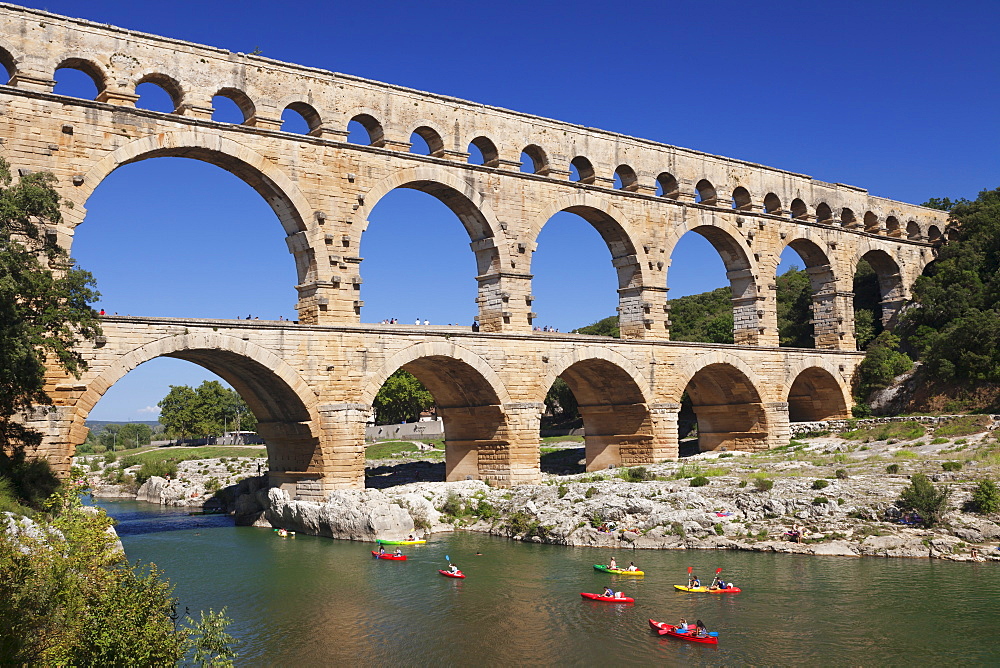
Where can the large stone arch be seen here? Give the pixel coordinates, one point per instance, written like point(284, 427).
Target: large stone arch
point(622, 239)
point(816, 390)
point(480, 222)
point(829, 311)
point(730, 403)
point(741, 270)
point(483, 439)
point(612, 397)
point(889, 269)
point(285, 407)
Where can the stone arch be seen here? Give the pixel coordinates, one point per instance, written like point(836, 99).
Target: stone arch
point(283, 196)
point(491, 156)
point(741, 270)
point(913, 231)
point(815, 391)
point(847, 218)
point(612, 401)
point(620, 239)
point(892, 227)
point(169, 85)
point(88, 67)
point(934, 234)
point(627, 177)
point(9, 63)
point(471, 401)
point(799, 210)
point(668, 186)
point(473, 210)
point(367, 120)
point(285, 407)
point(892, 288)
point(772, 204)
point(433, 138)
point(241, 99)
point(826, 311)
point(539, 159)
point(824, 214)
point(871, 223)
point(729, 409)
point(742, 200)
point(584, 169)
point(706, 193)
point(309, 114)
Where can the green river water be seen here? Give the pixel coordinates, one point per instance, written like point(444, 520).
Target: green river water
point(309, 601)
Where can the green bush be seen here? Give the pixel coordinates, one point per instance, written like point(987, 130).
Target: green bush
point(938, 440)
point(563, 489)
point(719, 530)
point(883, 362)
point(163, 469)
point(591, 491)
point(985, 498)
point(724, 455)
point(820, 484)
point(861, 410)
point(699, 481)
point(841, 474)
point(951, 466)
point(921, 495)
point(820, 501)
point(841, 501)
point(743, 483)
point(484, 510)
point(892, 468)
point(453, 505)
point(763, 484)
point(636, 474)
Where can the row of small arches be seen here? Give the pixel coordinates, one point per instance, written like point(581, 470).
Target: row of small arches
point(234, 106)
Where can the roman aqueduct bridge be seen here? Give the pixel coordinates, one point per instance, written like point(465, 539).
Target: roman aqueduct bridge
point(311, 383)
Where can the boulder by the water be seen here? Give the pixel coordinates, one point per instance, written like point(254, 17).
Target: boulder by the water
point(350, 514)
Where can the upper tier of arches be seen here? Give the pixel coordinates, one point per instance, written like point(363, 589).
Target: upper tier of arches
point(192, 76)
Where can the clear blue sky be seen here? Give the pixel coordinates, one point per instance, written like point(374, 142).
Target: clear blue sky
point(900, 98)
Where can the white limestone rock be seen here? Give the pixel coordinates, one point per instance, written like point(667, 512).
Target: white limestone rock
point(364, 515)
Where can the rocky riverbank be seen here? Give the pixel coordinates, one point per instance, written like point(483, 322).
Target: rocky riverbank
point(838, 492)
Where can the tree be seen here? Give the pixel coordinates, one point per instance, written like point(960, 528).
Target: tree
point(44, 304)
point(209, 409)
point(794, 297)
point(134, 435)
point(560, 402)
point(921, 495)
point(606, 327)
point(954, 323)
point(401, 399)
point(867, 305)
point(881, 364)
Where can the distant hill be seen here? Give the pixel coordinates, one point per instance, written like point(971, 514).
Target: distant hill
point(98, 425)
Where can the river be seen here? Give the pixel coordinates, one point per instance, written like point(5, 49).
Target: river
point(308, 601)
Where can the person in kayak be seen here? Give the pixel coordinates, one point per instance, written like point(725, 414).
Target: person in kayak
point(682, 627)
point(453, 569)
point(608, 592)
point(381, 549)
point(399, 552)
point(693, 581)
point(700, 629)
point(632, 566)
point(717, 583)
point(410, 537)
point(613, 565)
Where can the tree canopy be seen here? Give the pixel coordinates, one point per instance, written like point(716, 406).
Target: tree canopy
point(44, 304)
point(401, 399)
point(210, 409)
point(953, 323)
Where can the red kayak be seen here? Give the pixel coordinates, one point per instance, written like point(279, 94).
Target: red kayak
point(665, 629)
point(389, 555)
point(608, 599)
point(449, 574)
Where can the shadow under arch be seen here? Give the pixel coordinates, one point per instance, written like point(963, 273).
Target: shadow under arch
point(741, 271)
point(609, 392)
point(621, 241)
point(815, 394)
point(470, 399)
point(285, 407)
point(476, 216)
point(727, 405)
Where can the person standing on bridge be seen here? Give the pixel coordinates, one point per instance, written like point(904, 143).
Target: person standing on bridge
point(417, 322)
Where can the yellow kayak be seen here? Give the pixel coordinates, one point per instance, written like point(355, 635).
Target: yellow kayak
point(703, 590)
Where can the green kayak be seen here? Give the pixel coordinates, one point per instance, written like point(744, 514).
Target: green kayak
point(616, 571)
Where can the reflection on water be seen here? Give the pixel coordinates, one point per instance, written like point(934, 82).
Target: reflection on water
point(314, 601)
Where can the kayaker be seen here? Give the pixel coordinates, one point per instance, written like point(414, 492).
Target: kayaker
point(608, 592)
point(717, 583)
point(410, 537)
point(693, 581)
point(453, 569)
point(399, 552)
point(381, 549)
point(700, 629)
point(613, 565)
point(683, 626)
point(631, 566)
